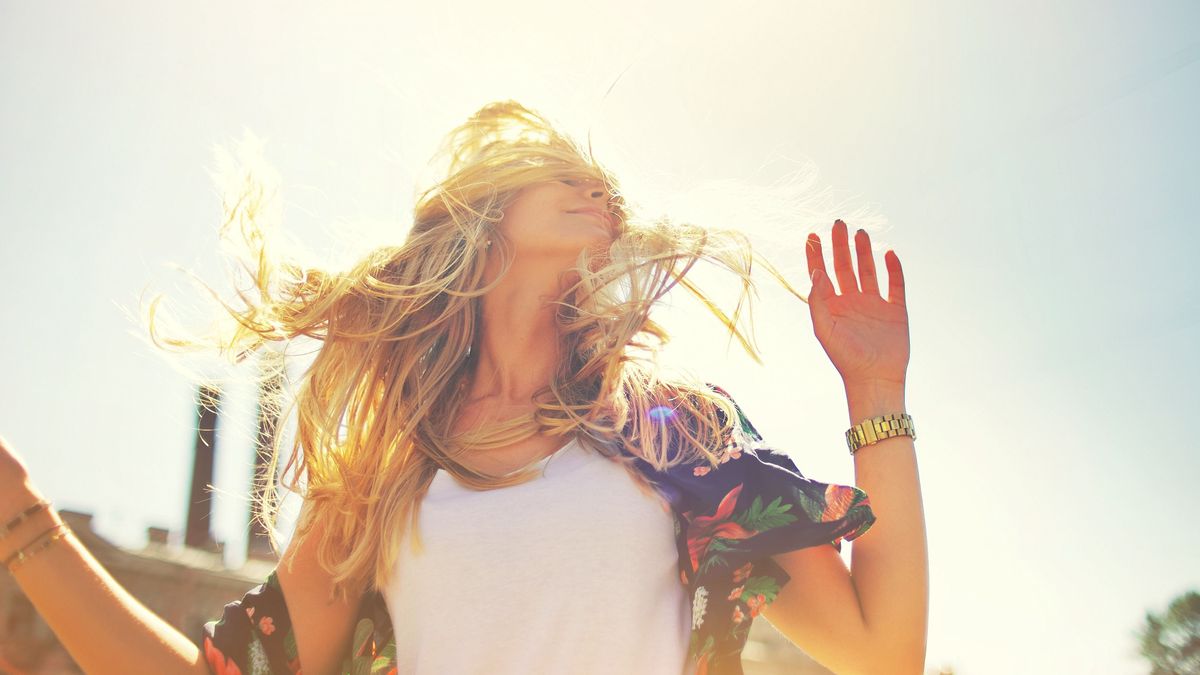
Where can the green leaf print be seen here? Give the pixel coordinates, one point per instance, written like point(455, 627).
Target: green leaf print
point(814, 507)
point(362, 666)
point(362, 633)
point(706, 649)
point(384, 662)
point(744, 423)
point(359, 662)
point(712, 554)
point(767, 586)
point(289, 645)
point(762, 519)
point(756, 519)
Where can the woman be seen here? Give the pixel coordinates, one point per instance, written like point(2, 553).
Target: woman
point(499, 479)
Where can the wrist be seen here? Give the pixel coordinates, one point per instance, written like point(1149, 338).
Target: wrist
point(868, 399)
point(25, 532)
point(16, 498)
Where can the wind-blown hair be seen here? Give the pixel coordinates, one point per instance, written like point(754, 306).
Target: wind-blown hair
point(399, 330)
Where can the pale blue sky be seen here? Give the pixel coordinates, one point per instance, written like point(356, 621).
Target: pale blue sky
point(1034, 166)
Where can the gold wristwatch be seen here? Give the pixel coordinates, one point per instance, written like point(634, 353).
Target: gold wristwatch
point(878, 428)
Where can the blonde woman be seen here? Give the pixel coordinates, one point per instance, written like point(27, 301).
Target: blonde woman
point(497, 478)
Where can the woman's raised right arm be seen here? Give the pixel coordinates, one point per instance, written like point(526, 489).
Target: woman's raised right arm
point(102, 626)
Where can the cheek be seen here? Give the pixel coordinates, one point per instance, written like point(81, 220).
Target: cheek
point(529, 218)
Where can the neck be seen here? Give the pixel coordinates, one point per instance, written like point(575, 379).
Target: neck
point(518, 345)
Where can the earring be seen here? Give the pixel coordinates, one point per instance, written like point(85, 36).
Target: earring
point(489, 243)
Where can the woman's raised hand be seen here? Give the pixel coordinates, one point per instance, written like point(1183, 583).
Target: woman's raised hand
point(864, 335)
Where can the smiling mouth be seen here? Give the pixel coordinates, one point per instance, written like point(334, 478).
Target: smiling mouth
point(595, 214)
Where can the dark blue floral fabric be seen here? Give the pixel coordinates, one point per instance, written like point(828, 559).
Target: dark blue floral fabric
point(729, 521)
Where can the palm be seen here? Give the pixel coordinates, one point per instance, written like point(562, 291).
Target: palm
point(864, 335)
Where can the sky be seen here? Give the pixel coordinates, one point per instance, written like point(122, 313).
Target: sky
point(1033, 166)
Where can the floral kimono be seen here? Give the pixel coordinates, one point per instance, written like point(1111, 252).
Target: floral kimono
point(729, 520)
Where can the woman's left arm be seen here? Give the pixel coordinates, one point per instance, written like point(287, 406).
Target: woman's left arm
point(889, 564)
point(866, 338)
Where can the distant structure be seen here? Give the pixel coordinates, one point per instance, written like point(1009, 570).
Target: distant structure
point(188, 585)
point(198, 530)
point(271, 363)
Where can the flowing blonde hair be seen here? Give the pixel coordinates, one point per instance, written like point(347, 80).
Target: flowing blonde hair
point(374, 409)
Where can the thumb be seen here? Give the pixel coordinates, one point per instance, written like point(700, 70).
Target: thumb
point(817, 302)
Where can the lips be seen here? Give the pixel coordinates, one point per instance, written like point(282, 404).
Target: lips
point(606, 218)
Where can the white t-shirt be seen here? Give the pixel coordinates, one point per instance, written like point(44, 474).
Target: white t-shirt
point(575, 572)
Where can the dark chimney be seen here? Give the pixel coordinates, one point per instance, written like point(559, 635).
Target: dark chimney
point(157, 535)
point(271, 364)
point(199, 516)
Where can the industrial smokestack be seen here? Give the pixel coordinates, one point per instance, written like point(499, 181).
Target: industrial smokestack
point(271, 364)
point(199, 515)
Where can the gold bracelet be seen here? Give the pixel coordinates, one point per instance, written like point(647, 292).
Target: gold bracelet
point(869, 432)
point(8, 527)
point(29, 551)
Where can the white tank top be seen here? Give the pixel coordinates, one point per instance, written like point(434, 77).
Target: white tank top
point(575, 572)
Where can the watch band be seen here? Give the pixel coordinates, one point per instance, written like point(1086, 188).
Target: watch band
point(876, 429)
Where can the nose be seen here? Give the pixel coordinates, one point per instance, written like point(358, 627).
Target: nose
point(594, 188)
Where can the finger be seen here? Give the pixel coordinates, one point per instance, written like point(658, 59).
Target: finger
point(822, 288)
point(816, 263)
point(866, 263)
point(895, 277)
point(818, 303)
point(842, 268)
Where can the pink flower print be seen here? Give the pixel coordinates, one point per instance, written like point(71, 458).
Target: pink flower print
point(755, 604)
point(701, 470)
point(733, 595)
point(738, 616)
point(732, 451)
point(742, 573)
point(266, 625)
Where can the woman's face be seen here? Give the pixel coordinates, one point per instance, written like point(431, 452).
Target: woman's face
point(552, 219)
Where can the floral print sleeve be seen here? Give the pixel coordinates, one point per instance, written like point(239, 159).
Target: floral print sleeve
point(732, 518)
point(254, 637)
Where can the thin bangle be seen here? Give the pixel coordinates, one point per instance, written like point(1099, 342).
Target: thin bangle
point(30, 550)
point(29, 511)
